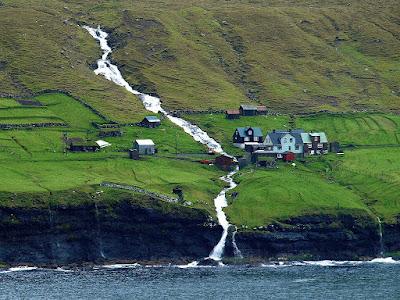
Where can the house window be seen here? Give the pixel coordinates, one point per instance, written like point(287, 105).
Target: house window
point(279, 147)
point(290, 148)
point(291, 140)
point(320, 145)
point(315, 139)
point(297, 147)
point(246, 139)
point(309, 146)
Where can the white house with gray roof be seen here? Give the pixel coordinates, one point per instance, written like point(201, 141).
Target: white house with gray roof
point(280, 142)
point(144, 147)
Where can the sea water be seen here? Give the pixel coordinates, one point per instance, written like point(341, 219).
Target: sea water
point(346, 280)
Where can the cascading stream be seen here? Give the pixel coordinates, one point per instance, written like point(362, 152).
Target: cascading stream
point(381, 250)
point(153, 104)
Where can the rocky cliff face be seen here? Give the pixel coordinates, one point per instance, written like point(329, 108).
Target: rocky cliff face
point(89, 233)
point(340, 237)
point(129, 231)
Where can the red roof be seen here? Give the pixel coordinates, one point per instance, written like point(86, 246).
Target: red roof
point(233, 112)
point(261, 108)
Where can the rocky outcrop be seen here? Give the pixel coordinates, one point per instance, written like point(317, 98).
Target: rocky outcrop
point(93, 233)
point(340, 237)
point(391, 237)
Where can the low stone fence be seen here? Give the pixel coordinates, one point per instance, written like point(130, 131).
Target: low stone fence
point(198, 112)
point(31, 125)
point(139, 190)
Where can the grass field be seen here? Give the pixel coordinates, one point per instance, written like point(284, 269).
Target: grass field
point(265, 196)
point(33, 161)
point(374, 174)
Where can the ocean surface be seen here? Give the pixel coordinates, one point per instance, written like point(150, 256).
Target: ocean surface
point(305, 280)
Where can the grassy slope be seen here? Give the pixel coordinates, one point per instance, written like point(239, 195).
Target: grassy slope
point(40, 51)
point(33, 161)
point(371, 173)
point(266, 196)
point(200, 54)
point(366, 178)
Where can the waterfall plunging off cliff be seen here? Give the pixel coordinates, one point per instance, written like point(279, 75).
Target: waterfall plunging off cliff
point(381, 249)
point(153, 104)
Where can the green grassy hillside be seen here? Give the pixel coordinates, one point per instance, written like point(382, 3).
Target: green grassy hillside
point(265, 196)
point(34, 160)
point(366, 179)
point(297, 56)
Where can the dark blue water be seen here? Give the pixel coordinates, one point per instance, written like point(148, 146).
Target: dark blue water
point(348, 281)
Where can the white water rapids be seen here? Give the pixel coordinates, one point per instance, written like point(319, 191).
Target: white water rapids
point(153, 104)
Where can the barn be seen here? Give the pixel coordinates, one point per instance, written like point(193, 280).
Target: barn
point(248, 110)
point(150, 122)
point(225, 162)
point(231, 114)
point(83, 146)
point(144, 147)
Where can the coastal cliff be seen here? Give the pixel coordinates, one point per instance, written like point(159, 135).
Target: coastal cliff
point(317, 237)
point(137, 228)
point(131, 229)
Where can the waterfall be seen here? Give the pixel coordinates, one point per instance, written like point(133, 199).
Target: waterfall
point(153, 104)
point(98, 231)
point(381, 250)
point(236, 249)
point(220, 203)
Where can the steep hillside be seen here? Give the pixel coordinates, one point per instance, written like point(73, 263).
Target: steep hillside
point(296, 55)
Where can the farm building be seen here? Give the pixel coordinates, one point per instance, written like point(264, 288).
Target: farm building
point(83, 146)
point(315, 143)
point(150, 122)
point(144, 147)
point(225, 162)
point(261, 110)
point(246, 135)
point(134, 154)
point(232, 114)
point(247, 110)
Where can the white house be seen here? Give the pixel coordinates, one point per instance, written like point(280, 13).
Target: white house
point(144, 147)
point(281, 142)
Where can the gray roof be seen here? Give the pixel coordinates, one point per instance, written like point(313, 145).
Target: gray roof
point(278, 134)
point(152, 119)
point(146, 142)
point(248, 107)
point(243, 131)
point(322, 135)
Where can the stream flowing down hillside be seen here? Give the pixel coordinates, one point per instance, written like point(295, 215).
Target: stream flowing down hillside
point(153, 104)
